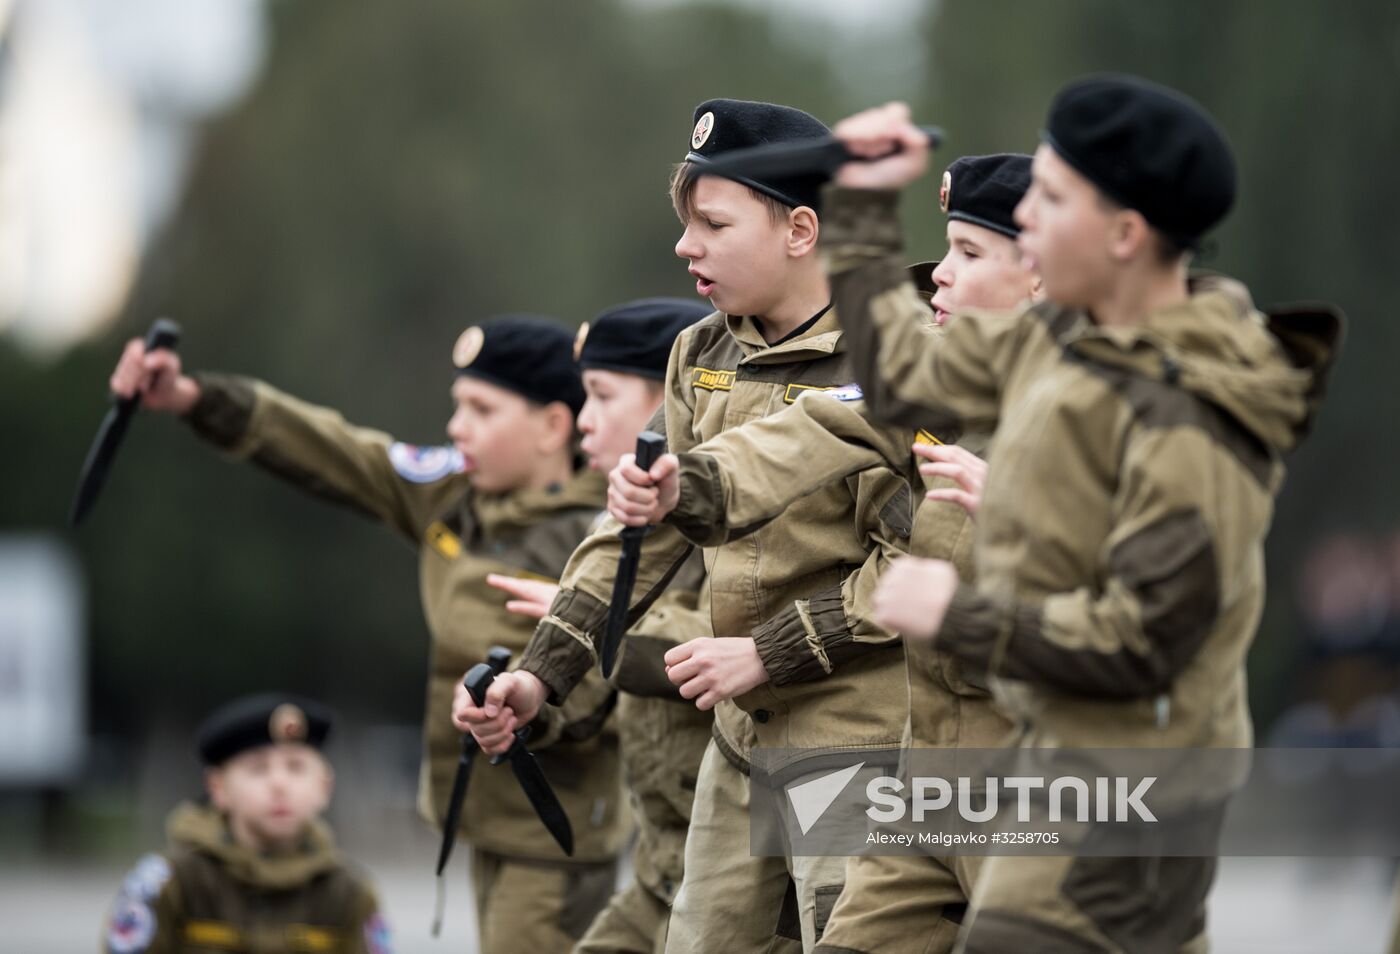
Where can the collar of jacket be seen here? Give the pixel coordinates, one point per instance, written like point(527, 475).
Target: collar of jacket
point(1268, 372)
point(203, 828)
point(818, 341)
point(524, 508)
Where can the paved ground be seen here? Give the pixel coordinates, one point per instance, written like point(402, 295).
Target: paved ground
point(1278, 906)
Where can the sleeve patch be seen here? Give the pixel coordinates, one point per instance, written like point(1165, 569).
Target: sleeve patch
point(847, 392)
point(145, 880)
point(132, 926)
point(377, 935)
point(423, 465)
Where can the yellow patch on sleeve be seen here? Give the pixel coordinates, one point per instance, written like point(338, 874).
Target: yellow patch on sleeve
point(213, 934)
point(924, 437)
point(307, 937)
point(794, 391)
point(712, 380)
point(444, 541)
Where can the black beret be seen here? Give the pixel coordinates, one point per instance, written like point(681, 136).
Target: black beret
point(636, 338)
point(722, 125)
point(265, 719)
point(1148, 148)
point(527, 354)
point(985, 190)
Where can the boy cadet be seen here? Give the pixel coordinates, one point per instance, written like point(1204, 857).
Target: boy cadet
point(796, 661)
point(1140, 421)
point(254, 868)
point(504, 498)
point(623, 355)
point(737, 481)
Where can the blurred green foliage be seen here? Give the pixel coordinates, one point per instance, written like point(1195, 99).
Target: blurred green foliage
point(402, 170)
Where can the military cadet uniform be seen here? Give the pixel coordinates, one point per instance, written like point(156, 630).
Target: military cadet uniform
point(738, 481)
point(799, 587)
point(530, 897)
point(1119, 553)
point(207, 893)
point(663, 736)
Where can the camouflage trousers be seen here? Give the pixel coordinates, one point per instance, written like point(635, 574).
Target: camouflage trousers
point(895, 904)
point(1077, 905)
point(530, 907)
point(634, 922)
point(734, 902)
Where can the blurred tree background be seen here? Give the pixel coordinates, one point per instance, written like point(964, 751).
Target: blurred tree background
point(403, 170)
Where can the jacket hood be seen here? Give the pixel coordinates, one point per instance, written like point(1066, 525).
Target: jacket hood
point(1268, 371)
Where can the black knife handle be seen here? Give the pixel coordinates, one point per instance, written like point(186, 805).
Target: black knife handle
point(650, 447)
point(163, 335)
point(498, 658)
point(935, 135)
point(479, 679)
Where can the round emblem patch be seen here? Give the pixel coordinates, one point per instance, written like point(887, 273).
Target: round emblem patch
point(423, 465)
point(377, 935)
point(945, 191)
point(468, 346)
point(703, 128)
point(287, 724)
point(132, 927)
point(579, 339)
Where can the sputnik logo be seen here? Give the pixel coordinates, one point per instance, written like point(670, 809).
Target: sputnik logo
point(810, 800)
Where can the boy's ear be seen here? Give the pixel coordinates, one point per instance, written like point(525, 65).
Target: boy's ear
point(803, 228)
point(329, 788)
point(559, 426)
point(1129, 235)
point(214, 786)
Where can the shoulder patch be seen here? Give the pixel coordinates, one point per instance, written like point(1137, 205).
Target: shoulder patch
point(132, 926)
point(441, 538)
point(146, 879)
point(423, 465)
point(377, 935)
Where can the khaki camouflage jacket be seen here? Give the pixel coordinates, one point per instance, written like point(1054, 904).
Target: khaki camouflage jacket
point(461, 536)
point(1119, 552)
point(209, 894)
point(799, 587)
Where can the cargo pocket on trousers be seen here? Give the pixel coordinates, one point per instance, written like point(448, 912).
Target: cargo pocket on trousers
point(824, 902)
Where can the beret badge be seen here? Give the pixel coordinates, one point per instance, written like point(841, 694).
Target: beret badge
point(468, 346)
point(703, 128)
